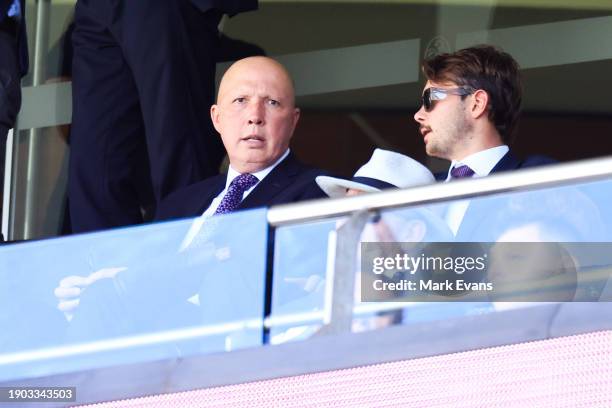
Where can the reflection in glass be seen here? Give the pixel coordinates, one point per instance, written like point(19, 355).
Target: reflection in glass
point(138, 294)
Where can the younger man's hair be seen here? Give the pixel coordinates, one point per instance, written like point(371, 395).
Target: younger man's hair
point(488, 68)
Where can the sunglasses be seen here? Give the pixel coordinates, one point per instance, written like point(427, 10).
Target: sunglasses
point(435, 94)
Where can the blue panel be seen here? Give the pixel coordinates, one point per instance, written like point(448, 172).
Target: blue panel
point(144, 293)
point(300, 259)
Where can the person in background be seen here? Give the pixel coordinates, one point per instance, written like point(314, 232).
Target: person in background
point(142, 75)
point(13, 66)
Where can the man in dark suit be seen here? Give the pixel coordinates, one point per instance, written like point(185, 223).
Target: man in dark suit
point(256, 115)
point(142, 73)
point(471, 103)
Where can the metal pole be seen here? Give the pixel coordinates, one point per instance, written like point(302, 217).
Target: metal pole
point(32, 158)
point(340, 293)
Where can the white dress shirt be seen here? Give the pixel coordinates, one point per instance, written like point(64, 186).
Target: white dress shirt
point(481, 163)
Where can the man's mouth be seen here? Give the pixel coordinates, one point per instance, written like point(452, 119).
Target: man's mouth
point(425, 131)
point(253, 138)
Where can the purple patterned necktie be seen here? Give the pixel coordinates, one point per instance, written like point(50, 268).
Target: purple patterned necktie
point(462, 171)
point(235, 191)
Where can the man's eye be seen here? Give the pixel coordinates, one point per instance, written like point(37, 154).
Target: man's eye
point(240, 100)
point(273, 102)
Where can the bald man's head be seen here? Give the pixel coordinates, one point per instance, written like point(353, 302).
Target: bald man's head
point(255, 113)
point(240, 69)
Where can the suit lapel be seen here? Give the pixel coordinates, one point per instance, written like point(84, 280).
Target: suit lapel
point(441, 176)
point(275, 183)
point(209, 193)
point(508, 162)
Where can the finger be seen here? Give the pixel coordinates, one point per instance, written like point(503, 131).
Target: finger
point(74, 280)
point(65, 292)
point(68, 305)
point(106, 273)
point(297, 281)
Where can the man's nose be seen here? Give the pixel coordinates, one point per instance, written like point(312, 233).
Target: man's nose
point(256, 114)
point(419, 116)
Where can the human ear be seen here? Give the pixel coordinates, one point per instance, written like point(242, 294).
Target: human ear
point(296, 118)
point(214, 116)
point(480, 103)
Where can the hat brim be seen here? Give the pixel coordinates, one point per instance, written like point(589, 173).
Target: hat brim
point(336, 187)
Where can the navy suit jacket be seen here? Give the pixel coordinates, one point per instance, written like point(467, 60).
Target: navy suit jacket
point(511, 162)
point(477, 212)
point(290, 181)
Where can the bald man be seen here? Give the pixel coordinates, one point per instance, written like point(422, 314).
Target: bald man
point(255, 115)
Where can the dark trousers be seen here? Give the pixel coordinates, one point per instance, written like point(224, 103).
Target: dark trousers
point(143, 83)
point(10, 87)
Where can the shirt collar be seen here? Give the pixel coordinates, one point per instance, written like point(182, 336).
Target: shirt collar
point(261, 174)
point(481, 162)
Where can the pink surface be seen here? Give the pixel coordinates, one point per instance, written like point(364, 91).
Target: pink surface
point(573, 371)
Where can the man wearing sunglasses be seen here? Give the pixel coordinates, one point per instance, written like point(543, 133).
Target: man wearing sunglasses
point(470, 106)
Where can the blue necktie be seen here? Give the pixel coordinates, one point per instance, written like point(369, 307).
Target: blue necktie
point(235, 191)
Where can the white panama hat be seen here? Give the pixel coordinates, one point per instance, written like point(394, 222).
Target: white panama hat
point(385, 169)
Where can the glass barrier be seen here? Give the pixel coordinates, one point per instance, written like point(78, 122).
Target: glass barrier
point(129, 295)
point(548, 245)
point(419, 264)
point(300, 273)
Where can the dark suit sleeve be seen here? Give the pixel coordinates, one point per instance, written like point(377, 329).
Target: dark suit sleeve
point(167, 208)
point(512, 162)
point(303, 188)
point(179, 204)
point(190, 201)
